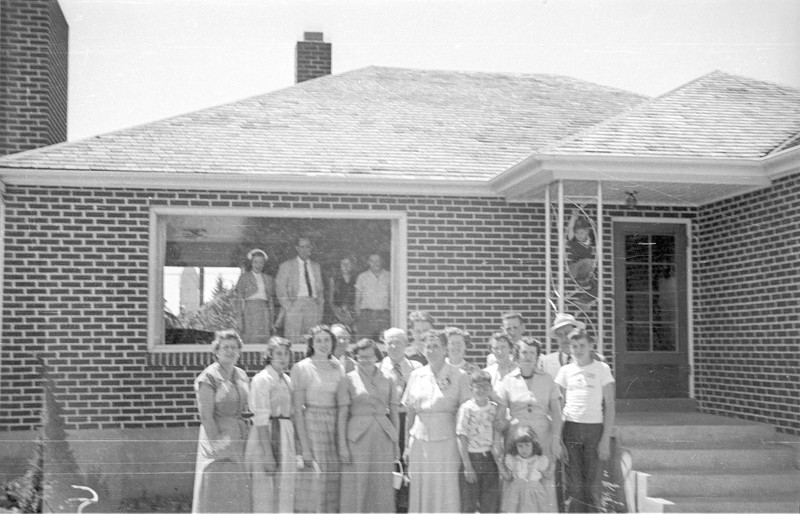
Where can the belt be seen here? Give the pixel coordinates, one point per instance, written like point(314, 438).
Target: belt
point(374, 310)
point(280, 417)
point(487, 453)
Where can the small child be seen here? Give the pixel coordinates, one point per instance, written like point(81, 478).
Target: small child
point(524, 492)
point(478, 445)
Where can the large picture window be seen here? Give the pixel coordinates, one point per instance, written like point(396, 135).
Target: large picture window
point(197, 257)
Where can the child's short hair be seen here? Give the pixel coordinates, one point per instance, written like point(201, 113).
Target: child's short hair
point(523, 434)
point(480, 376)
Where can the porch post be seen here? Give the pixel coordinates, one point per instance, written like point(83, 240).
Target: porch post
point(548, 266)
point(599, 250)
point(561, 246)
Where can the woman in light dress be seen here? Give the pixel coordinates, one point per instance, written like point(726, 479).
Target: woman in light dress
point(271, 445)
point(255, 291)
point(221, 483)
point(534, 401)
point(432, 398)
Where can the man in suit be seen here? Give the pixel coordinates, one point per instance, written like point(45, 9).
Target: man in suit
point(300, 291)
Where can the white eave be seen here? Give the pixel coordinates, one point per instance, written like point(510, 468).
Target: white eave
point(658, 180)
point(342, 183)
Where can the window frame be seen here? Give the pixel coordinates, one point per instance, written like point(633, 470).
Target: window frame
point(158, 246)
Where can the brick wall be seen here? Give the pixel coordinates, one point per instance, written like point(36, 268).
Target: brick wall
point(747, 326)
point(76, 275)
point(58, 67)
point(76, 279)
point(33, 76)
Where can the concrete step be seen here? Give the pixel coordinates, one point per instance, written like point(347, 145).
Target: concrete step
point(645, 428)
point(720, 456)
point(780, 503)
point(660, 405)
point(745, 484)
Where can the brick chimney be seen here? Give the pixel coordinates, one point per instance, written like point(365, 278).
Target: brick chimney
point(34, 38)
point(312, 57)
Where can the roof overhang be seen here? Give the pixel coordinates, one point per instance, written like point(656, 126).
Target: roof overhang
point(339, 183)
point(656, 180)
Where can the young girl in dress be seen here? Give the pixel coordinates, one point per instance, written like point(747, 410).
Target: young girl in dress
point(525, 464)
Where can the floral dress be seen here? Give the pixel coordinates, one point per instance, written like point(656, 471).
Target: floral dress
point(221, 483)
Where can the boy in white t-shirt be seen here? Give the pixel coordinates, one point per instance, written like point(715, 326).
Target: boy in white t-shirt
point(479, 448)
point(588, 388)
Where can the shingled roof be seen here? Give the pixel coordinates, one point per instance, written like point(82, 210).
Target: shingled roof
point(715, 116)
point(375, 121)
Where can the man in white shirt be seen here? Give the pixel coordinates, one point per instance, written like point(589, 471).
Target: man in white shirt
point(301, 293)
point(373, 290)
point(589, 411)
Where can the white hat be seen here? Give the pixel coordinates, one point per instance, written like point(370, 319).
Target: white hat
point(257, 251)
point(562, 320)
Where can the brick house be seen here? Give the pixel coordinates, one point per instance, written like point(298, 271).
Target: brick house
point(468, 180)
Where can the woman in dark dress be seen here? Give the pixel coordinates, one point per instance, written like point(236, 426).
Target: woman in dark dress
point(342, 292)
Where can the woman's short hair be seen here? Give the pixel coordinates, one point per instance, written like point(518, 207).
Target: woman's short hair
point(365, 344)
point(503, 337)
point(343, 327)
point(531, 341)
point(314, 331)
point(523, 434)
point(438, 335)
point(457, 331)
point(273, 343)
point(512, 315)
point(225, 335)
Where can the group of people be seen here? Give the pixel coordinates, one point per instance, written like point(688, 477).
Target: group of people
point(335, 433)
point(357, 300)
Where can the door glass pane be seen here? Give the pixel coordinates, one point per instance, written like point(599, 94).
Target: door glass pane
point(664, 337)
point(637, 248)
point(637, 277)
point(637, 307)
point(638, 337)
point(663, 248)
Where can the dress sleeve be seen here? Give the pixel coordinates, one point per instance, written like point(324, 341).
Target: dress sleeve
point(410, 386)
point(299, 377)
point(206, 377)
point(561, 377)
point(260, 404)
point(501, 393)
point(461, 420)
point(464, 392)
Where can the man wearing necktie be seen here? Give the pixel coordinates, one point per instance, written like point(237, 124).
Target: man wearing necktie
point(397, 366)
point(301, 293)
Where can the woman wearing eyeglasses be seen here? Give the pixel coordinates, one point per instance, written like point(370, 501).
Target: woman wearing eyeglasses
point(221, 482)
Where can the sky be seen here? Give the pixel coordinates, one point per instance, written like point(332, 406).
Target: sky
point(137, 61)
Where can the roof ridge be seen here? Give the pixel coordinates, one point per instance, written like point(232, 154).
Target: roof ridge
point(640, 106)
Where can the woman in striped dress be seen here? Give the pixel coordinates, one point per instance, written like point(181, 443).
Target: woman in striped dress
point(316, 381)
